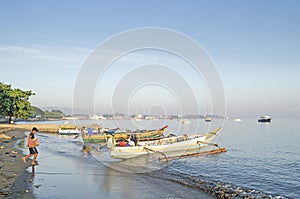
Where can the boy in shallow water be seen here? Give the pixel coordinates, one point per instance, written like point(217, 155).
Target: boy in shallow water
point(32, 144)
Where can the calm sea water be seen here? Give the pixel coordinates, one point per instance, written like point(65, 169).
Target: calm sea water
point(260, 158)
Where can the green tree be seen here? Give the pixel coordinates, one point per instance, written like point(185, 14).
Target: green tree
point(54, 114)
point(14, 102)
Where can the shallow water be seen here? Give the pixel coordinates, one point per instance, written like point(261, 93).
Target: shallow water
point(63, 171)
point(262, 159)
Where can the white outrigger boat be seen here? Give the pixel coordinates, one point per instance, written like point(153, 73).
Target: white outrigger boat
point(181, 143)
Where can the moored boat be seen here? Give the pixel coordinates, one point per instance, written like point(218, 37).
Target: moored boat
point(237, 120)
point(92, 137)
point(68, 130)
point(164, 145)
point(265, 119)
point(207, 119)
point(141, 135)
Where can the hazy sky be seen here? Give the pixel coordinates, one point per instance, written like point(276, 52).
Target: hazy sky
point(255, 46)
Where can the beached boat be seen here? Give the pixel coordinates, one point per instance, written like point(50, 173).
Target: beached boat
point(68, 130)
point(141, 135)
point(93, 137)
point(164, 145)
point(264, 119)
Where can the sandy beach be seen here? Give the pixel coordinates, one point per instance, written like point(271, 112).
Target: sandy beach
point(15, 180)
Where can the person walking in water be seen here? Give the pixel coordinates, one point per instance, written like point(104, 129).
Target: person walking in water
point(32, 144)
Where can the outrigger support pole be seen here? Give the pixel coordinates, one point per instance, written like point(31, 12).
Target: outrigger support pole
point(208, 143)
point(165, 157)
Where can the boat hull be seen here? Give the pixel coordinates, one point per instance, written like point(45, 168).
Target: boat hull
point(264, 120)
point(141, 135)
point(93, 139)
point(163, 146)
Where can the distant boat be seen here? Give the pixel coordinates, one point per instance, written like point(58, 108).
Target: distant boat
point(237, 120)
point(68, 130)
point(184, 121)
point(265, 119)
point(207, 119)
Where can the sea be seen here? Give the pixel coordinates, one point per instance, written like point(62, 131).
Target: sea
point(262, 161)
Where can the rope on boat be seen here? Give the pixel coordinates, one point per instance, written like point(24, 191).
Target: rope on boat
point(100, 147)
point(209, 143)
point(165, 156)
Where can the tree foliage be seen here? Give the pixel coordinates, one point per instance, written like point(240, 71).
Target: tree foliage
point(14, 102)
point(54, 114)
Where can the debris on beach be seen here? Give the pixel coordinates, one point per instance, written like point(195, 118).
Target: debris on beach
point(6, 137)
point(86, 149)
point(14, 152)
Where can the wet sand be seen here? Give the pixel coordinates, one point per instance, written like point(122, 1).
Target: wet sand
point(15, 180)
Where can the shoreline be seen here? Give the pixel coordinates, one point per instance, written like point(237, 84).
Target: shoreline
point(47, 128)
point(15, 180)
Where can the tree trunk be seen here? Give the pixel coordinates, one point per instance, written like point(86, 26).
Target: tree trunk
point(9, 119)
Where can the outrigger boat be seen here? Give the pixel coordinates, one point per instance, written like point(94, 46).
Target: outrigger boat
point(141, 135)
point(165, 145)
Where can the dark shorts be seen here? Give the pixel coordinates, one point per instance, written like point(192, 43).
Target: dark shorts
point(33, 150)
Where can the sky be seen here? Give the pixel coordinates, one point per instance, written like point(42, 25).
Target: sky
point(255, 46)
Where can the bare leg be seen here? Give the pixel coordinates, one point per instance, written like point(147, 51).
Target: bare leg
point(34, 159)
point(27, 156)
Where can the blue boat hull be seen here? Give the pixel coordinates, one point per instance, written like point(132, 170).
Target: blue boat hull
point(265, 120)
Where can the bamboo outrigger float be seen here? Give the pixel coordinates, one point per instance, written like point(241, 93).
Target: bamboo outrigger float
point(210, 152)
point(164, 146)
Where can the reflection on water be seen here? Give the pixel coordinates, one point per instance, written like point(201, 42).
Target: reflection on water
point(32, 171)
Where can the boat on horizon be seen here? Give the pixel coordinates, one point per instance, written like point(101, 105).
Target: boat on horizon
point(264, 119)
point(184, 121)
point(237, 120)
point(183, 143)
point(207, 119)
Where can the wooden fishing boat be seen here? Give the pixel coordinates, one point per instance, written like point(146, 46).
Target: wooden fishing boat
point(103, 137)
point(162, 146)
point(144, 134)
point(141, 135)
